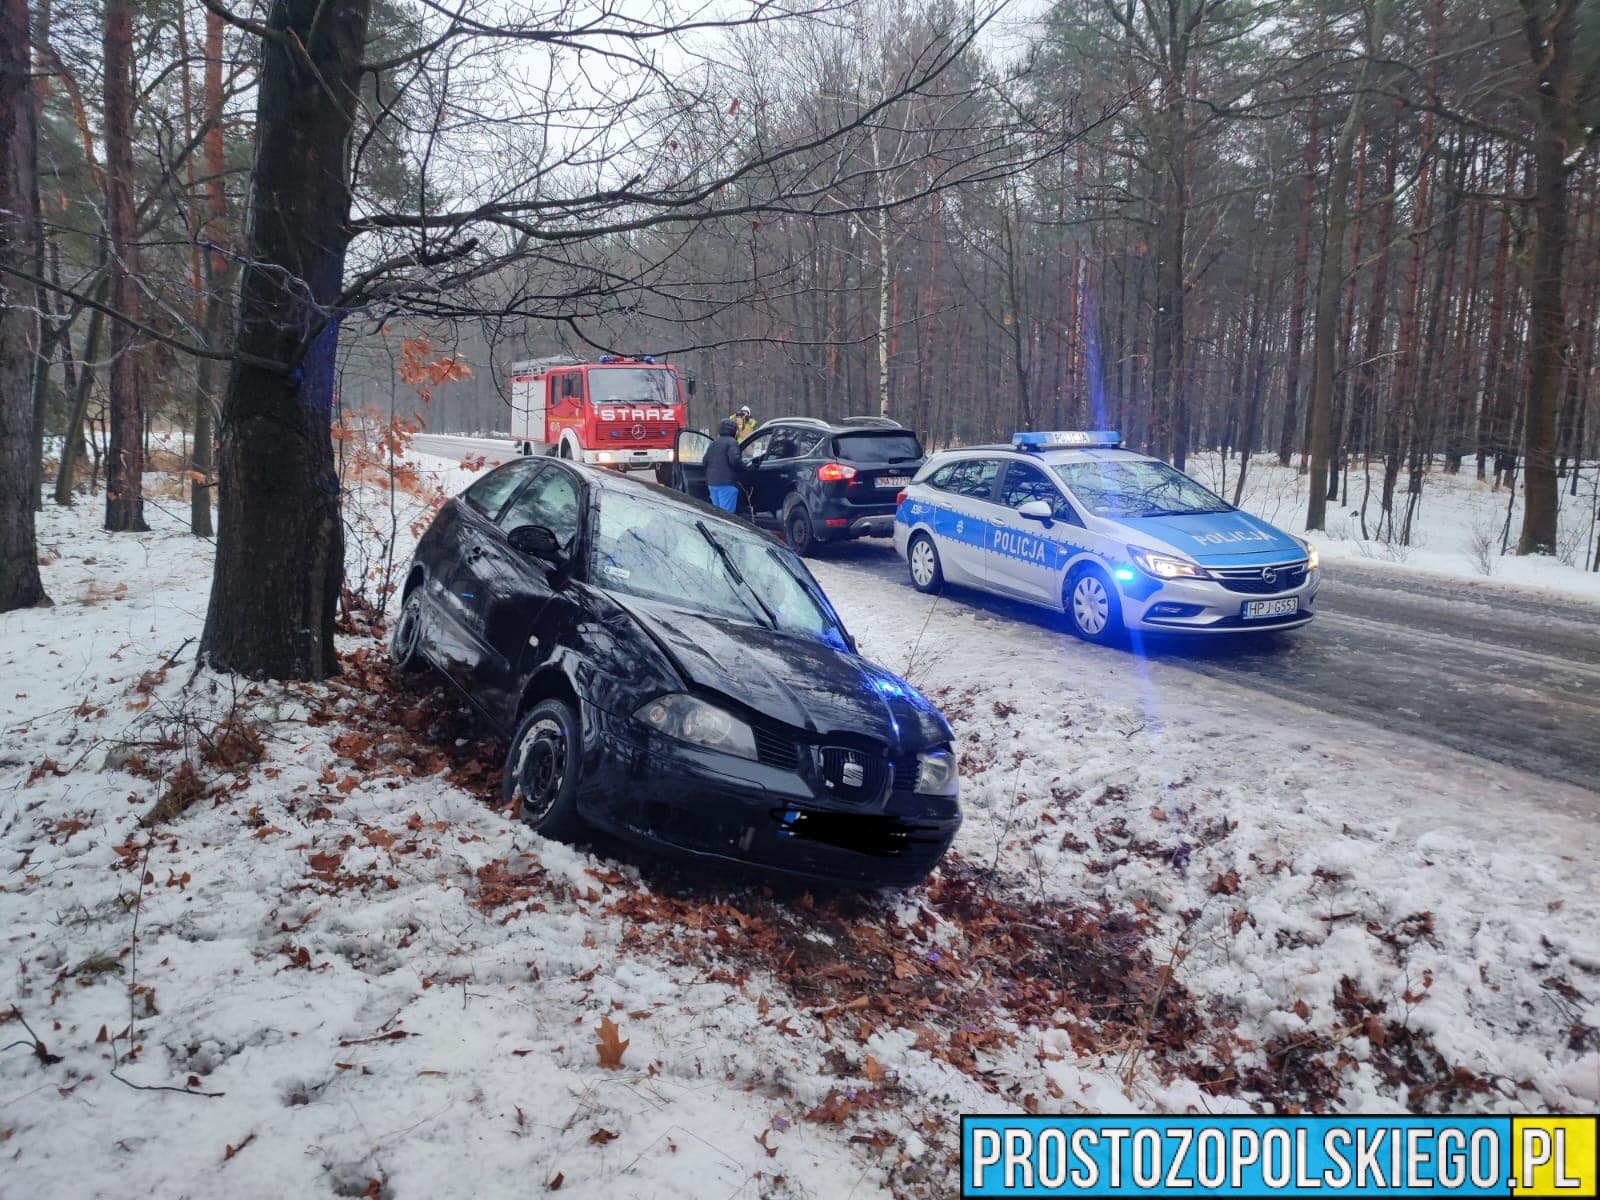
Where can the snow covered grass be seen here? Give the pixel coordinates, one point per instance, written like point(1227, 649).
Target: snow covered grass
point(361, 978)
point(1457, 531)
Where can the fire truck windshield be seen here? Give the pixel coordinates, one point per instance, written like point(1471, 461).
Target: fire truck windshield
point(632, 385)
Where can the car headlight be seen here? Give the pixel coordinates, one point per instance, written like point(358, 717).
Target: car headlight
point(1313, 559)
point(937, 774)
point(690, 719)
point(1165, 566)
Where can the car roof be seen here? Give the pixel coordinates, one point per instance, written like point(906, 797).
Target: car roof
point(1049, 457)
point(843, 425)
point(603, 479)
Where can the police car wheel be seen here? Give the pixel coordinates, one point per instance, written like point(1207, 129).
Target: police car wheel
point(541, 771)
point(923, 560)
point(1093, 607)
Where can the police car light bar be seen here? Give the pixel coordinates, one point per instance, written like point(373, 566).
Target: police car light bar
point(1067, 437)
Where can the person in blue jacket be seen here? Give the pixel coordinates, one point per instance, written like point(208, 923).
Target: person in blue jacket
point(724, 467)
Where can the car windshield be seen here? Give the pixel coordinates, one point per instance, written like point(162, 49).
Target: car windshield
point(897, 446)
point(1137, 488)
point(663, 552)
point(631, 385)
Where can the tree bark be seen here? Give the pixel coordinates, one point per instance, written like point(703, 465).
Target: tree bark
point(125, 454)
point(1328, 279)
point(1297, 308)
point(1550, 49)
point(216, 278)
point(280, 542)
point(20, 585)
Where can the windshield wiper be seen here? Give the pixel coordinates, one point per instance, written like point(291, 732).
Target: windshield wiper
point(733, 573)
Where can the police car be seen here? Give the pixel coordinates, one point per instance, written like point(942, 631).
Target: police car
point(1115, 539)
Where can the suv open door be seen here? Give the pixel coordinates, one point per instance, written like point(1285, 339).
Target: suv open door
point(689, 448)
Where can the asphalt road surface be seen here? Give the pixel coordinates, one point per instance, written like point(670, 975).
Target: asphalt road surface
point(1495, 671)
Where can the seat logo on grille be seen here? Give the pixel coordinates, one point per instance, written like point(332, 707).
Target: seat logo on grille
point(853, 774)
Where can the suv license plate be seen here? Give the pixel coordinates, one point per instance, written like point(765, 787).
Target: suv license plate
point(893, 481)
point(1254, 609)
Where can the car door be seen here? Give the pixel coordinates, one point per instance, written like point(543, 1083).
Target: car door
point(455, 535)
point(961, 524)
point(506, 592)
point(1027, 557)
point(689, 448)
point(770, 482)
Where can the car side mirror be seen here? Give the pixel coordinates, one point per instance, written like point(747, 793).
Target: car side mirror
point(536, 541)
point(1035, 510)
point(688, 384)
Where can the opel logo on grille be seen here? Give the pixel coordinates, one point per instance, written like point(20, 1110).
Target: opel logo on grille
point(638, 432)
point(1269, 575)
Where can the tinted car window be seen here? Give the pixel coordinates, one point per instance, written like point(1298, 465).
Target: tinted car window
point(494, 489)
point(890, 446)
point(974, 477)
point(785, 444)
point(756, 446)
point(1137, 488)
point(941, 478)
point(550, 500)
point(661, 552)
point(1025, 483)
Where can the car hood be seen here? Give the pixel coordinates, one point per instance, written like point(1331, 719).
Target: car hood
point(791, 679)
point(1214, 539)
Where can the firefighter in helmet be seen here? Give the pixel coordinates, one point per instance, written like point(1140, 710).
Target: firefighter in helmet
point(746, 424)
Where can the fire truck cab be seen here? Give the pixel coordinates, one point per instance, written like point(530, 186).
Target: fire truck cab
point(614, 412)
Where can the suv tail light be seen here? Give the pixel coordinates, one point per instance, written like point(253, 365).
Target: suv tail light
point(834, 472)
point(900, 497)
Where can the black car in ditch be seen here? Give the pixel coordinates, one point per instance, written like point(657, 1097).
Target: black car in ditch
point(666, 673)
point(815, 481)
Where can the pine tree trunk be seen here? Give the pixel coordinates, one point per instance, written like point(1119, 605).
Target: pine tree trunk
point(20, 585)
point(1550, 45)
point(1297, 308)
point(280, 543)
point(125, 453)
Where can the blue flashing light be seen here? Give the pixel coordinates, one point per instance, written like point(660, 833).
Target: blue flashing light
point(608, 358)
point(649, 358)
point(1061, 438)
point(1125, 574)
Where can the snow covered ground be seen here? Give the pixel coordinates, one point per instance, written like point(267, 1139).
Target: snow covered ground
point(1458, 526)
point(362, 979)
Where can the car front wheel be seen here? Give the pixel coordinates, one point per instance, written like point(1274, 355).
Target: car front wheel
point(405, 644)
point(1094, 609)
point(923, 560)
point(541, 772)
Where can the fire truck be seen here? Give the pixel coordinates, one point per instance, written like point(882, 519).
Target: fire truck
point(615, 411)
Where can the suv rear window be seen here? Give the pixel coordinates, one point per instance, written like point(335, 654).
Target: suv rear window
point(890, 446)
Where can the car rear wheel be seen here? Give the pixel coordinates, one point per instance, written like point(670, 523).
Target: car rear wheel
point(923, 559)
point(798, 530)
point(1094, 609)
point(541, 772)
point(405, 644)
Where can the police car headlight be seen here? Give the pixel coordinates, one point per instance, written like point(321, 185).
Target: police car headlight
point(937, 774)
point(1313, 559)
point(690, 719)
point(1164, 566)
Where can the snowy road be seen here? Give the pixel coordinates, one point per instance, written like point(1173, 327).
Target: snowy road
point(1498, 672)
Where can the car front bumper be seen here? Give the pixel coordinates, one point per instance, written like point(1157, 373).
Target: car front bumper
point(624, 458)
point(1205, 606)
point(712, 806)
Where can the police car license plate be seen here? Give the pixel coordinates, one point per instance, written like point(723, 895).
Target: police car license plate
point(893, 481)
point(1271, 608)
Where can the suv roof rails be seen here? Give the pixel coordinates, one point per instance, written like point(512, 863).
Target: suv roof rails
point(872, 422)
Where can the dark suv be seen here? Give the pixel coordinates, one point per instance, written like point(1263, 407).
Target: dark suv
point(816, 481)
